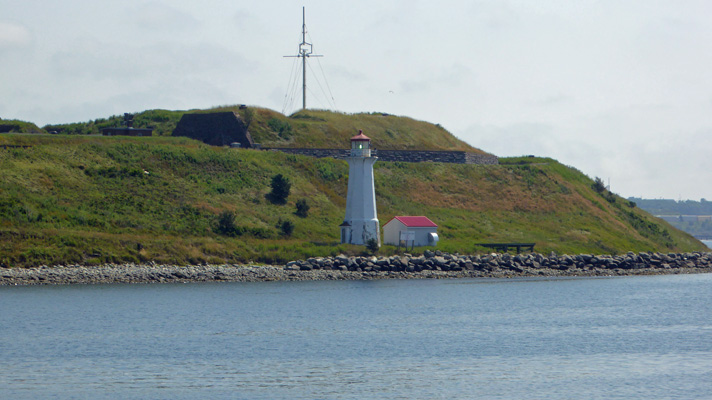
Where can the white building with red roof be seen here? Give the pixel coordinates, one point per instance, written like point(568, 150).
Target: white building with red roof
point(410, 231)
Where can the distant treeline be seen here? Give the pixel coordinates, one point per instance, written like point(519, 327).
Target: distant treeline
point(673, 207)
point(699, 227)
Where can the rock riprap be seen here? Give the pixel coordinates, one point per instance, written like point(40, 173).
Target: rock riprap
point(427, 266)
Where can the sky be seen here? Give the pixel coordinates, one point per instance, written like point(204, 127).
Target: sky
point(619, 89)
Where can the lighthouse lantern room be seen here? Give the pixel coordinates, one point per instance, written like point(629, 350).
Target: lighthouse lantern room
point(361, 220)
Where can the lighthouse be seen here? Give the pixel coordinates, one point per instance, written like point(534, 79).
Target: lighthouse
point(361, 221)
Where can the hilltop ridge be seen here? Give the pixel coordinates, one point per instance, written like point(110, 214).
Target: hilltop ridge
point(303, 129)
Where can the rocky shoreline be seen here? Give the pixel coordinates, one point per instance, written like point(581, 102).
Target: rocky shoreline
point(431, 265)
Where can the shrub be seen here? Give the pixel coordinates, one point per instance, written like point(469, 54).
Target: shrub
point(372, 245)
point(282, 128)
point(226, 224)
point(280, 189)
point(302, 208)
point(598, 185)
point(286, 227)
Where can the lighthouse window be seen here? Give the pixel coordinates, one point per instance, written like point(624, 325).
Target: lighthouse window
point(360, 145)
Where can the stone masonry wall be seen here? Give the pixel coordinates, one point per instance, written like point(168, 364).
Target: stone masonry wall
point(217, 129)
point(452, 157)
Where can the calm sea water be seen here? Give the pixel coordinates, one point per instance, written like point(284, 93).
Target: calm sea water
point(606, 338)
point(708, 243)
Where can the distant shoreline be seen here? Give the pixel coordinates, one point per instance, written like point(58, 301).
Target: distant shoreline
point(430, 266)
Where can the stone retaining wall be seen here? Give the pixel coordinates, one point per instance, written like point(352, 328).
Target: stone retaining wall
point(452, 157)
point(527, 264)
point(217, 129)
point(431, 265)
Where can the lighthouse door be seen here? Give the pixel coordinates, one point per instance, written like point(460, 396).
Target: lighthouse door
point(345, 235)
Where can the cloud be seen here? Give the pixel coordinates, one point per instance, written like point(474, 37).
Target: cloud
point(448, 77)
point(14, 35)
point(555, 100)
point(244, 20)
point(664, 167)
point(161, 17)
point(517, 139)
point(80, 105)
point(101, 61)
point(668, 163)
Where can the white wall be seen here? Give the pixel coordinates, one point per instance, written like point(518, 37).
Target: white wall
point(361, 211)
point(391, 233)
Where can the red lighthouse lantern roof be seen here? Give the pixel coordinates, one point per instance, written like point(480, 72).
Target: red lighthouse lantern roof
point(360, 137)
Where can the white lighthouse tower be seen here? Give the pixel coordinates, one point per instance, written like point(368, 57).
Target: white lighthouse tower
point(361, 221)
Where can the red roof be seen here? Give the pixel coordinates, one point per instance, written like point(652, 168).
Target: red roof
point(360, 137)
point(416, 222)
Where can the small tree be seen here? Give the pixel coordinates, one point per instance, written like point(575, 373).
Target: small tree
point(372, 245)
point(302, 208)
point(286, 227)
point(226, 224)
point(598, 185)
point(280, 189)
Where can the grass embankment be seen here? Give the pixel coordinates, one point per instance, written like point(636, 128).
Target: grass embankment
point(93, 200)
point(311, 128)
point(326, 129)
point(162, 121)
point(17, 126)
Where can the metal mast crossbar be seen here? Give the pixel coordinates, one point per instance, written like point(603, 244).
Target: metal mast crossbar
point(305, 51)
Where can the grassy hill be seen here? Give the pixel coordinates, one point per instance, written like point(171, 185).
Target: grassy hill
point(311, 128)
point(326, 129)
point(91, 200)
point(17, 126)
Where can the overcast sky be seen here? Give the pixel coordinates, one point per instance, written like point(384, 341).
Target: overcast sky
point(618, 89)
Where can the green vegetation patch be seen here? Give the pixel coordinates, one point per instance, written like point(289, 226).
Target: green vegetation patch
point(92, 199)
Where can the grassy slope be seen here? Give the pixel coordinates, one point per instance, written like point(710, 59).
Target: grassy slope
point(162, 121)
point(325, 129)
point(17, 126)
point(93, 200)
point(318, 129)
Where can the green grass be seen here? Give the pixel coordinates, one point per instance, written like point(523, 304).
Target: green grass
point(93, 199)
point(326, 129)
point(311, 128)
point(161, 121)
point(17, 126)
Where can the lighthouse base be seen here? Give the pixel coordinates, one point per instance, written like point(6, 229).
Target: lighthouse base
point(360, 232)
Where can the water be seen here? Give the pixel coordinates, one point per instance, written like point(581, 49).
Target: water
point(707, 243)
point(610, 338)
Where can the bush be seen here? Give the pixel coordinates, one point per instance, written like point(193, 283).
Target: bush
point(598, 185)
point(280, 189)
point(226, 224)
point(372, 245)
point(286, 227)
point(282, 128)
point(302, 208)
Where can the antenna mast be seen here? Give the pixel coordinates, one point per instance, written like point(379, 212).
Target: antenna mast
point(305, 50)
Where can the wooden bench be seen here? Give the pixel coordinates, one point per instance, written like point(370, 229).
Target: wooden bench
point(504, 247)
